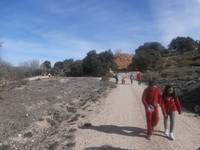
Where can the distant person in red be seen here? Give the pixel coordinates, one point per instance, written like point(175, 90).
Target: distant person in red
point(151, 98)
point(139, 78)
point(169, 104)
point(197, 108)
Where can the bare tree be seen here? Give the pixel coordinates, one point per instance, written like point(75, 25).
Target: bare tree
point(1, 43)
point(34, 64)
point(24, 64)
point(6, 74)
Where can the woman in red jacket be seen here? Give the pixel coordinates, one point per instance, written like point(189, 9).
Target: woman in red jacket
point(139, 78)
point(170, 103)
point(151, 99)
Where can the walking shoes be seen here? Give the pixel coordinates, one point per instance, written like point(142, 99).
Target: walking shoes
point(149, 137)
point(166, 132)
point(171, 136)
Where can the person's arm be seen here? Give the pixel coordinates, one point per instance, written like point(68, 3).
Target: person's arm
point(144, 99)
point(159, 97)
point(178, 106)
point(148, 110)
point(162, 104)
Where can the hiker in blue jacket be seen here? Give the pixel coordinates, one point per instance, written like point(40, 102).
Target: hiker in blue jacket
point(116, 78)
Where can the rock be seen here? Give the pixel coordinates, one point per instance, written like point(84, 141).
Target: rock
point(124, 61)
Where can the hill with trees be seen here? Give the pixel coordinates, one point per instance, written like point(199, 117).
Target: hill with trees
point(178, 64)
point(151, 56)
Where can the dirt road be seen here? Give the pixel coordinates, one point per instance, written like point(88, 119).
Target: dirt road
point(118, 123)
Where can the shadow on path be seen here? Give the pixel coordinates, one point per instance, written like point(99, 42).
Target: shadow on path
point(121, 130)
point(112, 129)
point(105, 147)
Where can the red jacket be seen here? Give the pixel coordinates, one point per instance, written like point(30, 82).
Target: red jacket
point(150, 97)
point(139, 76)
point(169, 104)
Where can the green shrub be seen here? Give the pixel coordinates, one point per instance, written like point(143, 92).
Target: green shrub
point(28, 134)
point(52, 122)
point(164, 75)
point(71, 109)
point(23, 82)
point(53, 145)
point(105, 78)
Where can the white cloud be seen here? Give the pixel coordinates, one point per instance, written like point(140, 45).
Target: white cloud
point(55, 31)
point(177, 18)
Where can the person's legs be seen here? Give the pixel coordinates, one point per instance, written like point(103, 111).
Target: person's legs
point(149, 126)
point(155, 117)
point(165, 125)
point(172, 120)
point(165, 121)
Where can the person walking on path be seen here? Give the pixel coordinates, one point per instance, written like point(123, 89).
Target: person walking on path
point(197, 108)
point(131, 78)
point(116, 78)
point(123, 80)
point(151, 98)
point(169, 104)
point(139, 78)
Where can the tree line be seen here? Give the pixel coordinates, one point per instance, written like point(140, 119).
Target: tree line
point(93, 64)
point(147, 56)
point(150, 55)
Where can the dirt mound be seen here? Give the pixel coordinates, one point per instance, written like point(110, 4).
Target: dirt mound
point(124, 61)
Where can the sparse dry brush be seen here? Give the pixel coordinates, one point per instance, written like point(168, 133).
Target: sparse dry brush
point(41, 114)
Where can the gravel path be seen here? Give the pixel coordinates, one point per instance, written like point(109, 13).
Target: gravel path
point(118, 123)
point(52, 114)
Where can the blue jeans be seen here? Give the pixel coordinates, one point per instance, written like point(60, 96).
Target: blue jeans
point(139, 82)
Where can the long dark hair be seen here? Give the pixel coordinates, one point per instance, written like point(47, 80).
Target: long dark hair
point(165, 93)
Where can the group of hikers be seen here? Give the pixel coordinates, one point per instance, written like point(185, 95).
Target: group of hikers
point(169, 102)
point(139, 78)
point(152, 98)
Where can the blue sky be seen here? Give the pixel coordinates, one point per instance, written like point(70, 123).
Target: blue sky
point(56, 30)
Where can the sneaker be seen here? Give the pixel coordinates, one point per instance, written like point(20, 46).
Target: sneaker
point(149, 137)
point(171, 136)
point(166, 132)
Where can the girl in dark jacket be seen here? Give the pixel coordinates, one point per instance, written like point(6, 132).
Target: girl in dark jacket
point(170, 103)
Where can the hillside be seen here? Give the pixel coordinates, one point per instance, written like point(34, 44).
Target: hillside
point(180, 70)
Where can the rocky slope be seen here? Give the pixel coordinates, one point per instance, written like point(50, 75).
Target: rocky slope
point(187, 88)
point(124, 61)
